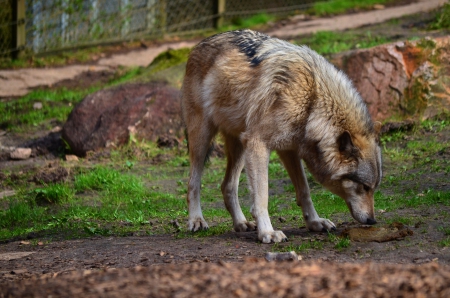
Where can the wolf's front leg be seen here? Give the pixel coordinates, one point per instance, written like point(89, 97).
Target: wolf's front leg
point(294, 167)
point(256, 164)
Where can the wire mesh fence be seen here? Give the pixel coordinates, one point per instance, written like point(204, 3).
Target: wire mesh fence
point(57, 24)
point(6, 25)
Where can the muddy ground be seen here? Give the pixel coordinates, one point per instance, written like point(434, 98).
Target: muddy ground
point(231, 264)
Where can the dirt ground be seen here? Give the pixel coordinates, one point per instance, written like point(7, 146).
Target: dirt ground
point(232, 264)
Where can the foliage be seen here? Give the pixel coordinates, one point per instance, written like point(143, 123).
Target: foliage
point(442, 20)
point(327, 42)
point(333, 7)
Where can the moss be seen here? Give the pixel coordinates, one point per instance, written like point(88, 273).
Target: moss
point(416, 97)
point(168, 66)
point(168, 59)
point(426, 43)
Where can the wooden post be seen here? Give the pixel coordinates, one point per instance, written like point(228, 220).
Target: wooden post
point(18, 28)
point(162, 16)
point(220, 11)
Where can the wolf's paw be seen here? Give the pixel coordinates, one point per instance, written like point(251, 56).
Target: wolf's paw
point(197, 224)
point(274, 236)
point(321, 225)
point(245, 226)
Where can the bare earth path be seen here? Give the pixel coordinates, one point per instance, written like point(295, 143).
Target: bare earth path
point(15, 83)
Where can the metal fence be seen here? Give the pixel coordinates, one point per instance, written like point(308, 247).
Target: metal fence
point(40, 26)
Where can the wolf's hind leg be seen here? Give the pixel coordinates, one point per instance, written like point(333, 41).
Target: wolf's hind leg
point(294, 167)
point(200, 134)
point(235, 163)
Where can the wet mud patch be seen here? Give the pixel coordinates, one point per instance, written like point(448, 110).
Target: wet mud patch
point(394, 231)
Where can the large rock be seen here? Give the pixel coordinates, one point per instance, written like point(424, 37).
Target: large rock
point(403, 79)
point(108, 117)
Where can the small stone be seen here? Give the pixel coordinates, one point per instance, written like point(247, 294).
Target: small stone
point(71, 157)
point(21, 153)
point(56, 129)
point(7, 193)
point(282, 219)
point(37, 105)
point(19, 271)
point(283, 256)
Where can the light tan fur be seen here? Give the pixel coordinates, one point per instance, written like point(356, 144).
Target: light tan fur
point(265, 94)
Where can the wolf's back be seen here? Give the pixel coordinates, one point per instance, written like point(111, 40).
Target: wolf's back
point(257, 74)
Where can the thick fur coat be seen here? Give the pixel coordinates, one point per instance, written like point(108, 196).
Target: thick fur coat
point(266, 94)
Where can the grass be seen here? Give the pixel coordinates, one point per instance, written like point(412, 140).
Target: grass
point(442, 20)
point(100, 201)
point(327, 42)
point(333, 7)
point(113, 200)
point(305, 245)
point(253, 22)
point(58, 59)
point(125, 196)
point(19, 115)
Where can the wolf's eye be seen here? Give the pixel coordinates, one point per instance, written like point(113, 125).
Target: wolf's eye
point(366, 188)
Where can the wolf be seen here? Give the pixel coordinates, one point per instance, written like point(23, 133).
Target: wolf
point(264, 94)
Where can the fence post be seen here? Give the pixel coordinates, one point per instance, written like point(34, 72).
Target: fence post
point(18, 28)
point(220, 4)
point(163, 16)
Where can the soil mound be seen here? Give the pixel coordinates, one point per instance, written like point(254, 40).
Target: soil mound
point(253, 278)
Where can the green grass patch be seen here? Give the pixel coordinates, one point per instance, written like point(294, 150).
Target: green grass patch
point(411, 199)
point(340, 243)
point(445, 242)
point(253, 22)
point(130, 196)
point(327, 42)
point(442, 20)
point(305, 245)
point(333, 7)
point(19, 115)
point(58, 59)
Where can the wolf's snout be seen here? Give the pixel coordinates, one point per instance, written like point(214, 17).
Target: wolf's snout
point(371, 221)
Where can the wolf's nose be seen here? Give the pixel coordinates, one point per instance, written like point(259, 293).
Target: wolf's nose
point(371, 221)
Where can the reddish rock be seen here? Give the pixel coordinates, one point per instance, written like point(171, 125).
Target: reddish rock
point(110, 116)
point(402, 79)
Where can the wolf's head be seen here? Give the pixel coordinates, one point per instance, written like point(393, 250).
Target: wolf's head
point(351, 168)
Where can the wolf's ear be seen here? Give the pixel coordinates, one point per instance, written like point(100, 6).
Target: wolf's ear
point(346, 146)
